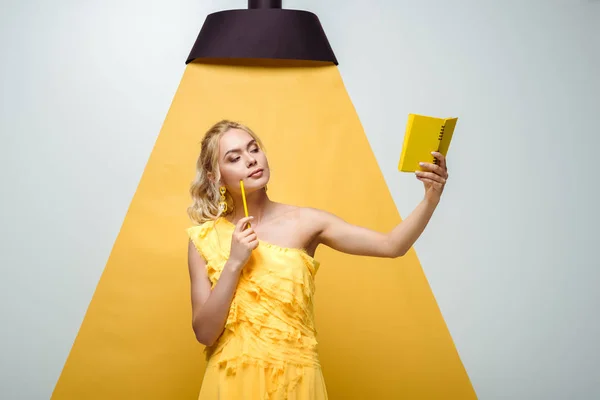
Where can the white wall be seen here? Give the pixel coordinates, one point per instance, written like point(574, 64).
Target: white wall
point(510, 253)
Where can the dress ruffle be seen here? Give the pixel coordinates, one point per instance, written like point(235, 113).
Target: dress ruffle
point(270, 324)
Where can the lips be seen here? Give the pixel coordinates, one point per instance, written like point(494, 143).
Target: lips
point(255, 172)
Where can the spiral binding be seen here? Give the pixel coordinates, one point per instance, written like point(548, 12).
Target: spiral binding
point(440, 136)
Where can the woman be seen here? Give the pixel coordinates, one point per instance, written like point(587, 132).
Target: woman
point(252, 279)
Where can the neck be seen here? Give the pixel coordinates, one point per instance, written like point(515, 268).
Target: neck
point(259, 206)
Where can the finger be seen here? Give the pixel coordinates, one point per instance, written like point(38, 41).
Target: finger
point(241, 223)
point(424, 179)
point(433, 168)
point(430, 175)
point(433, 183)
point(250, 238)
point(442, 160)
point(251, 243)
point(244, 236)
point(247, 229)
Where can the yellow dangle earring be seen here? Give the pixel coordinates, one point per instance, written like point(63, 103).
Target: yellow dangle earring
point(223, 200)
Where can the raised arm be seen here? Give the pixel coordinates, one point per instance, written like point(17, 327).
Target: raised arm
point(352, 239)
point(340, 235)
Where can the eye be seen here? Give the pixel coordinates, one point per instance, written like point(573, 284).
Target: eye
point(255, 150)
point(234, 159)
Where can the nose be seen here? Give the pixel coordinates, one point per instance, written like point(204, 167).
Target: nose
point(250, 161)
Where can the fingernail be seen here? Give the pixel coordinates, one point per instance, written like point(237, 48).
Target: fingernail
point(421, 163)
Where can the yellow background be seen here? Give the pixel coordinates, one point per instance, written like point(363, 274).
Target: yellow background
point(380, 331)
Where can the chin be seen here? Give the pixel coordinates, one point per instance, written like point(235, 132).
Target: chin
point(260, 184)
point(252, 184)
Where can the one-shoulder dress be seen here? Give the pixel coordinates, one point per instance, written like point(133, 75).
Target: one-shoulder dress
point(268, 348)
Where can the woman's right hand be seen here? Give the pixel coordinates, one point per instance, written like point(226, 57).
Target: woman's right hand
point(243, 241)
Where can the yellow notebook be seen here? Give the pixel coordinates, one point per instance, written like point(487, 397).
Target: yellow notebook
point(423, 135)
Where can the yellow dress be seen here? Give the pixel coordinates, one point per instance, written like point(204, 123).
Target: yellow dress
point(268, 348)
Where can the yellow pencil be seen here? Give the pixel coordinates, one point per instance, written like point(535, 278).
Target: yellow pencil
point(244, 199)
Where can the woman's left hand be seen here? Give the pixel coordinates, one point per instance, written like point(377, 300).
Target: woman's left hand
point(434, 177)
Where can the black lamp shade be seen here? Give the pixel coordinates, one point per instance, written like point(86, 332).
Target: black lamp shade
point(271, 33)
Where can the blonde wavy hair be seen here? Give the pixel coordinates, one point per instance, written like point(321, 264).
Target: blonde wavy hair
point(204, 191)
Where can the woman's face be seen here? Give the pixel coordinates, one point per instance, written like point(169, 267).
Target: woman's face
point(240, 158)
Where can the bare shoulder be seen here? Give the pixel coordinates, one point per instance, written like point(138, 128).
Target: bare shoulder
point(318, 214)
point(313, 218)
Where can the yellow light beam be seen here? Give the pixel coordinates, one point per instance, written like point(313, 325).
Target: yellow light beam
point(381, 334)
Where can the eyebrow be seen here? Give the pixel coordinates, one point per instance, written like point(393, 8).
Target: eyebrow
point(250, 143)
